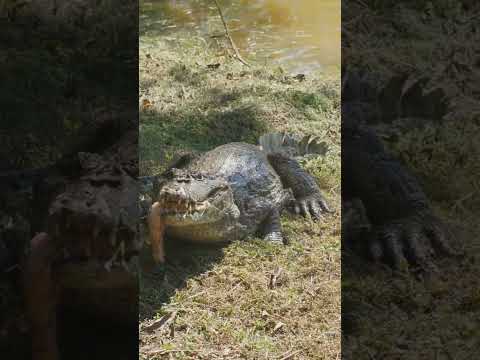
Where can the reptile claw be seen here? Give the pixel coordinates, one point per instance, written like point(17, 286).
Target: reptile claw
point(96, 232)
point(113, 237)
point(325, 207)
point(312, 206)
point(122, 249)
point(304, 209)
point(414, 240)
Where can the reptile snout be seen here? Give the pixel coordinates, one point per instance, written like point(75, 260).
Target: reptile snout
point(174, 199)
point(86, 227)
point(173, 192)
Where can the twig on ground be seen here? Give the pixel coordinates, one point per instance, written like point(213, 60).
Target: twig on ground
point(289, 355)
point(227, 34)
point(157, 324)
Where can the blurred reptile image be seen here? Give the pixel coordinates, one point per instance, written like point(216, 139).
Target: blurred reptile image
point(387, 216)
point(89, 246)
point(83, 214)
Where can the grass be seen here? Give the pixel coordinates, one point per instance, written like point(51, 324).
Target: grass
point(396, 316)
point(246, 300)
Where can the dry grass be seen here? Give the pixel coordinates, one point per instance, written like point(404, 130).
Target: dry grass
point(247, 300)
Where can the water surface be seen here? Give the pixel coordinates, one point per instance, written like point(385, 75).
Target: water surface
point(300, 35)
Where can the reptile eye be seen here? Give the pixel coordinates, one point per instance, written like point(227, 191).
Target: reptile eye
point(213, 192)
point(216, 190)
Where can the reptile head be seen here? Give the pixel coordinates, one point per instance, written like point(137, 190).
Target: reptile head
point(94, 218)
point(192, 198)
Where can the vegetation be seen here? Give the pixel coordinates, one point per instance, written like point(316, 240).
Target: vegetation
point(247, 300)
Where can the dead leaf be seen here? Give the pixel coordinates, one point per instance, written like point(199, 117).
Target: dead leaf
point(300, 77)
point(213, 66)
point(146, 104)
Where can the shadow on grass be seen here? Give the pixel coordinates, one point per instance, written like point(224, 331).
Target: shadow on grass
point(219, 119)
point(184, 261)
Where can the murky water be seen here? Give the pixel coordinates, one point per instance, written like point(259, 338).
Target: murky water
point(300, 35)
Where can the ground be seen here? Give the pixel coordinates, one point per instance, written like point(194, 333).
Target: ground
point(246, 300)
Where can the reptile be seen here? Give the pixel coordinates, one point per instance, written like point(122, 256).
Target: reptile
point(232, 192)
point(386, 216)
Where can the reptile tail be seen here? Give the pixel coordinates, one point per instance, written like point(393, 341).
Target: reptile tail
point(293, 145)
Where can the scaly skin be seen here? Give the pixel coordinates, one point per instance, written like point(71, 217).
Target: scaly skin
point(404, 229)
point(229, 193)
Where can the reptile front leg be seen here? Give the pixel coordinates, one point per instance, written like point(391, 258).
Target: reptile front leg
point(41, 299)
point(272, 228)
point(308, 198)
point(404, 228)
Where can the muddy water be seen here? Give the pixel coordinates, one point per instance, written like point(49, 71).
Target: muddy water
point(299, 35)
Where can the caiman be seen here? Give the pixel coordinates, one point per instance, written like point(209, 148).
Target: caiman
point(232, 192)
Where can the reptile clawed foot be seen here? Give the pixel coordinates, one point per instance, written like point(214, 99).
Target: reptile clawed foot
point(415, 240)
point(275, 237)
point(312, 206)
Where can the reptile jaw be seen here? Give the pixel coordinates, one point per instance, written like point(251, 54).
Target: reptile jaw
point(174, 205)
point(187, 203)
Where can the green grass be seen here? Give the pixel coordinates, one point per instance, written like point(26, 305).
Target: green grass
point(222, 303)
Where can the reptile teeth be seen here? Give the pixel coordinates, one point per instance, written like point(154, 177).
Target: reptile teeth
point(122, 249)
point(96, 232)
point(108, 266)
point(113, 237)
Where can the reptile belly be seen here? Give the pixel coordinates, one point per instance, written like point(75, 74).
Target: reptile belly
point(207, 233)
